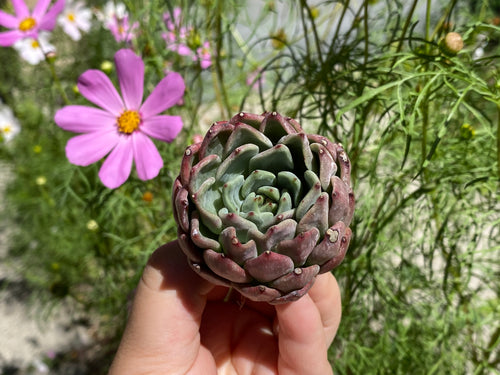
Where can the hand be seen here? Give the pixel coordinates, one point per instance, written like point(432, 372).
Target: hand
point(180, 324)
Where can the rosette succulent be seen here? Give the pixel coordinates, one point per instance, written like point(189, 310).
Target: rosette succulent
point(263, 207)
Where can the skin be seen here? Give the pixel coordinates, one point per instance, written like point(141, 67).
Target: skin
point(180, 324)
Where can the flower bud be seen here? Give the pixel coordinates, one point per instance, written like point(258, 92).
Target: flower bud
point(451, 44)
point(107, 66)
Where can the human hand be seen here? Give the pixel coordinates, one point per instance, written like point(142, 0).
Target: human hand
point(180, 324)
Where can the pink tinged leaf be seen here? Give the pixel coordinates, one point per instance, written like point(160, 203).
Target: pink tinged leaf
point(234, 249)
point(8, 38)
point(215, 139)
point(258, 293)
point(148, 161)
point(248, 118)
point(130, 71)
point(339, 257)
point(294, 295)
point(181, 206)
point(187, 246)
point(190, 155)
point(40, 9)
point(296, 279)
point(95, 86)
point(48, 22)
point(284, 230)
point(88, 148)
point(332, 245)
point(299, 248)
point(269, 266)
point(316, 216)
point(209, 275)
point(20, 8)
point(225, 267)
point(342, 202)
point(8, 20)
point(326, 164)
point(166, 94)
point(198, 238)
point(83, 119)
point(162, 127)
point(117, 166)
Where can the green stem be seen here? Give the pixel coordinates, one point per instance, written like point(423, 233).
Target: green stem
point(405, 29)
point(57, 82)
point(365, 18)
point(219, 75)
point(498, 141)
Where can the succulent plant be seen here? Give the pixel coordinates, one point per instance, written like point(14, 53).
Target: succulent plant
point(263, 207)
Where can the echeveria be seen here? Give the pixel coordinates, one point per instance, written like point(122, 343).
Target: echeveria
point(263, 207)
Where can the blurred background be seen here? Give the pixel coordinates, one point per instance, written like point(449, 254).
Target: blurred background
point(410, 88)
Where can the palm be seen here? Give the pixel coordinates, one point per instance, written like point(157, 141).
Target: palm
point(240, 338)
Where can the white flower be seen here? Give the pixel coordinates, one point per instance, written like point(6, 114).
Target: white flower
point(111, 12)
point(34, 50)
point(74, 18)
point(9, 126)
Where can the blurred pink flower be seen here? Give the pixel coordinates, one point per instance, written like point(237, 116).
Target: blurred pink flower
point(203, 56)
point(26, 24)
point(124, 124)
point(121, 29)
point(255, 78)
point(176, 39)
point(176, 35)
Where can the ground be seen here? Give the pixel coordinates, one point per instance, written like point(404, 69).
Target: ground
point(33, 335)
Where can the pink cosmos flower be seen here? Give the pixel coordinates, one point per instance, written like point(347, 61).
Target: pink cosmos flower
point(124, 124)
point(203, 56)
point(26, 24)
point(121, 29)
point(177, 36)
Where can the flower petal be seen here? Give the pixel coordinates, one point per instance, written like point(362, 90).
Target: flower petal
point(40, 9)
point(83, 119)
point(86, 149)
point(116, 168)
point(162, 127)
point(8, 20)
point(48, 22)
point(97, 87)
point(130, 71)
point(8, 38)
point(148, 161)
point(165, 95)
point(20, 8)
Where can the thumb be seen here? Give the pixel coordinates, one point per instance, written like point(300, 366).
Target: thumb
point(303, 347)
point(162, 334)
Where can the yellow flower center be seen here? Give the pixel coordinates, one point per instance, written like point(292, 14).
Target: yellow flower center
point(71, 17)
point(7, 129)
point(129, 121)
point(27, 24)
point(35, 44)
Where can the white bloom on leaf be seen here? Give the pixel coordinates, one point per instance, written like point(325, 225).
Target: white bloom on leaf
point(34, 50)
point(74, 19)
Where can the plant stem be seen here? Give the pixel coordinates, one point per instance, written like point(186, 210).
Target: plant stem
point(405, 29)
point(498, 141)
point(52, 68)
